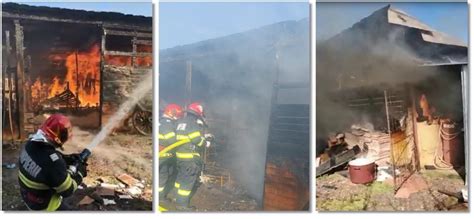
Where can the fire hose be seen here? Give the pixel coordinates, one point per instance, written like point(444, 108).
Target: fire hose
point(444, 136)
point(173, 146)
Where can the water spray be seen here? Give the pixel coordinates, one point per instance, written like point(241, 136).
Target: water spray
point(138, 93)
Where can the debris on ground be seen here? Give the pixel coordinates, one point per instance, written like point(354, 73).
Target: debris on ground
point(219, 193)
point(127, 179)
point(86, 200)
point(421, 192)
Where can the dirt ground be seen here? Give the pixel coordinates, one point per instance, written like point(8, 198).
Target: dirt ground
point(214, 198)
point(119, 153)
point(218, 193)
point(335, 192)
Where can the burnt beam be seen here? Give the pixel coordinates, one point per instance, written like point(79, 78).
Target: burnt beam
point(20, 70)
point(127, 33)
point(102, 59)
point(133, 54)
point(134, 51)
point(52, 19)
point(143, 42)
point(127, 27)
point(40, 18)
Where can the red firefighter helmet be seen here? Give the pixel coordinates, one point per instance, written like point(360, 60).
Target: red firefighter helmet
point(57, 129)
point(196, 108)
point(173, 111)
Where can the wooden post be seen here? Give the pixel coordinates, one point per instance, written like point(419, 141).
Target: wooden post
point(20, 69)
point(77, 81)
point(415, 131)
point(101, 86)
point(390, 141)
point(134, 51)
point(9, 84)
point(4, 82)
point(188, 85)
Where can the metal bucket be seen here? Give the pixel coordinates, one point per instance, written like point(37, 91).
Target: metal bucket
point(362, 171)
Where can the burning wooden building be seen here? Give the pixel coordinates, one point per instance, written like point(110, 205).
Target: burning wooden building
point(257, 106)
point(398, 87)
point(79, 63)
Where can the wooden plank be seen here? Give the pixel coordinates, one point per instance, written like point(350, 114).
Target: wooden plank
point(52, 19)
point(337, 161)
point(134, 51)
point(129, 27)
point(132, 54)
point(143, 42)
point(9, 82)
point(20, 79)
point(127, 33)
point(101, 80)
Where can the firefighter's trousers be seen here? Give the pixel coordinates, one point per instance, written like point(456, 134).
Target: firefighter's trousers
point(189, 169)
point(167, 175)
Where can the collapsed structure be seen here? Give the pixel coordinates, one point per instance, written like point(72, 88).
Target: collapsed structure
point(256, 92)
point(397, 88)
point(79, 63)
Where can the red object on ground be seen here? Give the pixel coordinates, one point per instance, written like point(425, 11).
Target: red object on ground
point(453, 144)
point(362, 171)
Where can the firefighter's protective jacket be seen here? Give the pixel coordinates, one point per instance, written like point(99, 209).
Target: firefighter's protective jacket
point(190, 130)
point(44, 176)
point(167, 135)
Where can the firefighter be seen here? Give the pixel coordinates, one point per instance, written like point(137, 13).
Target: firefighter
point(46, 175)
point(167, 137)
point(190, 131)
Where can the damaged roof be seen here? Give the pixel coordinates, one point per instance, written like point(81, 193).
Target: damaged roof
point(398, 17)
point(392, 29)
point(23, 11)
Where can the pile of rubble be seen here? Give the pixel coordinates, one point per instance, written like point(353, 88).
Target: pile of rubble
point(378, 143)
point(111, 191)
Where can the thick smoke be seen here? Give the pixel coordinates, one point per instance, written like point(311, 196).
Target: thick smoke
point(234, 77)
point(377, 56)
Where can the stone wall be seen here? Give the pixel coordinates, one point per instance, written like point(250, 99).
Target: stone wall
point(118, 84)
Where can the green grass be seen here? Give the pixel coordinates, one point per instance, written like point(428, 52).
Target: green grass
point(380, 188)
point(356, 202)
point(443, 174)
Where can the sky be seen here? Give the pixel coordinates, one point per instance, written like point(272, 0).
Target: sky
point(134, 8)
point(186, 23)
point(450, 18)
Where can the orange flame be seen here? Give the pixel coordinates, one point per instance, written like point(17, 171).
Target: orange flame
point(55, 88)
point(36, 89)
point(146, 61)
point(118, 60)
point(83, 75)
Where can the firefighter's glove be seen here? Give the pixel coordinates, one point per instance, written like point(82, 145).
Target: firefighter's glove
point(209, 137)
point(71, 159)
point(78, 169)
point(82, 169)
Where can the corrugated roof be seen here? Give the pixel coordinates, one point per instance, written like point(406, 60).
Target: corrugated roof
point(428, 34)
point(396, 16)
point(442, 38)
